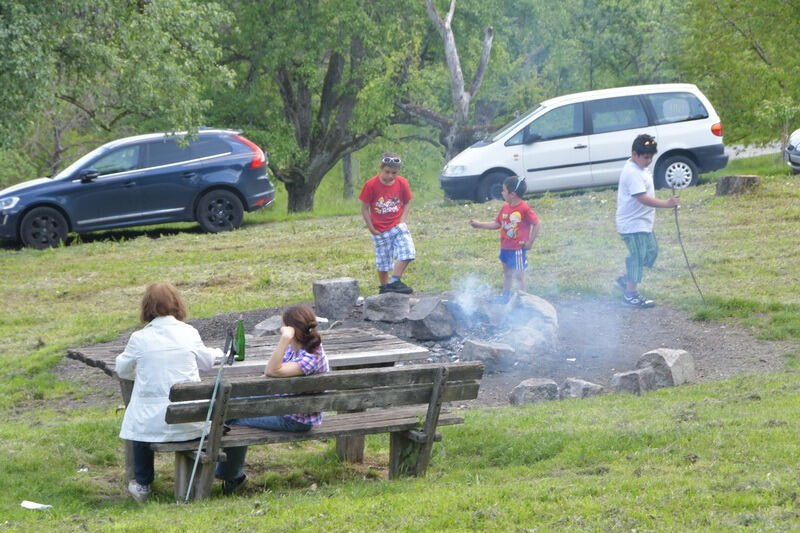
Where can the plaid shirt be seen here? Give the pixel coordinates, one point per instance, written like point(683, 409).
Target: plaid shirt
point(310, 363)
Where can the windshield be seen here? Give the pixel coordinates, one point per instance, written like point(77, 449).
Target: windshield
point(70, 170)
point(514, 123)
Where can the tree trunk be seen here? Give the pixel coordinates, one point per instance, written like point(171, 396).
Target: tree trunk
point(347, 170)
point(301, 197)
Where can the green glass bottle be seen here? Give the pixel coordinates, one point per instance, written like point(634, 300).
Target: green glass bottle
point(238, 339)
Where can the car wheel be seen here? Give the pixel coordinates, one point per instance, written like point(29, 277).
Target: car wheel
point(219, 210)
point(676, 172)
point(43, 227)
point(491, 187)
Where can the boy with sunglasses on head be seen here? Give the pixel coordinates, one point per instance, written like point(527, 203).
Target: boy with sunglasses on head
point(518, 226)
point(385, 201)
point(636, 212)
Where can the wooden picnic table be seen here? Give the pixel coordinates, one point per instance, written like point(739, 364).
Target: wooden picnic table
point(345, 348)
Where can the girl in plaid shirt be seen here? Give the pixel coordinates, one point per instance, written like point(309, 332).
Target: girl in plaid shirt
point(299, 352)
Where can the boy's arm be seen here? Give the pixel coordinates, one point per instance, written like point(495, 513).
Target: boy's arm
point(533, 235)
point(484, 225)
point(406, 209)
point(655, 202)
point(365, 208)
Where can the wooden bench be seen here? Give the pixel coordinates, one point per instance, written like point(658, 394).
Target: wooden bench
point(403, 401)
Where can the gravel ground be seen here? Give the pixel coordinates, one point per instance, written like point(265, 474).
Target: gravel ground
point(597, 337)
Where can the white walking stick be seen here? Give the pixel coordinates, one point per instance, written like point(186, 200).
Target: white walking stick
point(226, 361)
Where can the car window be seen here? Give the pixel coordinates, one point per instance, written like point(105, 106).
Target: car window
point(615, 114)
point(564, 121)
point(676, 107)
point(120, 160)
point(166, 152)
point(208, 146)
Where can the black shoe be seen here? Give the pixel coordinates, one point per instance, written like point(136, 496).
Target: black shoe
point(637, 300)
point(622, 283)
point(229, 487)
point(396, 286)
point(382, 289)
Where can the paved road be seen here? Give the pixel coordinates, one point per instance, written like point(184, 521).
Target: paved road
point(737, 151)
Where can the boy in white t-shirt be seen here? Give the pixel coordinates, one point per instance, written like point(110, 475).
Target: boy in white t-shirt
point(636, 211)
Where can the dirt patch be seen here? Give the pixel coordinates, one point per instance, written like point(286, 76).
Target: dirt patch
point(597, 337)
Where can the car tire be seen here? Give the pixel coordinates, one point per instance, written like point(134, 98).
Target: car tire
point(43, 227)
point(490, 187)
point(219, 210)
point(676, 172)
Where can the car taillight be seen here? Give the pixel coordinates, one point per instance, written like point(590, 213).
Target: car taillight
point(258, 155)
point(716, 129)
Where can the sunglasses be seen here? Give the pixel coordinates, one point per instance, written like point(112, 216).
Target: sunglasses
point(520, 180)
point(391, 161)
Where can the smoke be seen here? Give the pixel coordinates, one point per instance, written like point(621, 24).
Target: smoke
point(471, 295)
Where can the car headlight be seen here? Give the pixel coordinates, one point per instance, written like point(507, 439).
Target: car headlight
point(8, 202)
point(454, 170)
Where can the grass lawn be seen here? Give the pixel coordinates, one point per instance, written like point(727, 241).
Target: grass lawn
point(708, 457)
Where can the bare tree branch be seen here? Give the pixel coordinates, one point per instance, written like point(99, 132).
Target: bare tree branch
point(487, 47)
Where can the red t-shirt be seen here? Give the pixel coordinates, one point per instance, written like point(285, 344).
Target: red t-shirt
point(515, 225)
point(386, 202)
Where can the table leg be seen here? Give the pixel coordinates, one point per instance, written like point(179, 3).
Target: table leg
point(126, 387)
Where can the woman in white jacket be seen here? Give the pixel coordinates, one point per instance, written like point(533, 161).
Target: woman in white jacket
point(166, 351)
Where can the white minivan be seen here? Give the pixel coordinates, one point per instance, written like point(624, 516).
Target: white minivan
point(584, 139)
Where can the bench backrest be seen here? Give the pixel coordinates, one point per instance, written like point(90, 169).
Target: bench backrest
point(342, 390)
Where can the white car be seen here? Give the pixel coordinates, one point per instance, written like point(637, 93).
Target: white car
point(584, 139)
point(792, 152)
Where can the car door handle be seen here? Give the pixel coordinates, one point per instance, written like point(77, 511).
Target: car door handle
point(580, 146)
point(189, 175)
point(128, 184)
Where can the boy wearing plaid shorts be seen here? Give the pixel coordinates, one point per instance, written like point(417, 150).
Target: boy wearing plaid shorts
point(385, 201)
point(636, 211)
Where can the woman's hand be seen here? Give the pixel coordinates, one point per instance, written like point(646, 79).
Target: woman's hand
point(287, 332)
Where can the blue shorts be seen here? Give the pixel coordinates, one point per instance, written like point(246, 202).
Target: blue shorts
point(515, 259)
point(393, 244)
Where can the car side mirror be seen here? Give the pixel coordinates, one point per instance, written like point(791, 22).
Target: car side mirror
point(88, 175)
point(531, 138)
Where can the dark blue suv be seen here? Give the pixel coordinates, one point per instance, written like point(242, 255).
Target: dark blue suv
point(147, 179)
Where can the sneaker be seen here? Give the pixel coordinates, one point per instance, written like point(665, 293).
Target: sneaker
point(396, 286)
point(229, 487)
point(637, 300)
point(139, 492)
point(622, 283)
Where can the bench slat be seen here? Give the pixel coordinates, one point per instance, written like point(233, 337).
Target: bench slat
point(377, 421)
point(325, 401)
point(339, 380)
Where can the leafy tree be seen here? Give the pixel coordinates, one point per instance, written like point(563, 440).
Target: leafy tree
point(741, 55)
point(106, 64)
point(315, 81)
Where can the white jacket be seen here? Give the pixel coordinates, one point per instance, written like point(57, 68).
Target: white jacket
point(166, 351)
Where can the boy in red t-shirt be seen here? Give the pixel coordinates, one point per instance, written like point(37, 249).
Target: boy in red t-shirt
point(385, 201)
point(518, 226)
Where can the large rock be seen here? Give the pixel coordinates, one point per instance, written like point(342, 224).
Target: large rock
point(270, 326)
point(494, 355)
point(634, 381)
point(534, 324)
point(578, 388)
point(335, 298)
point(430, 319)
point(386, 307)
point(529, 308)
point(671, 367)
point(534, 390)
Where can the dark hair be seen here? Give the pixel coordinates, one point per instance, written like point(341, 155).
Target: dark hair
point(304, 322)
point(644, 144)
point(516, 185)
point(161, 299)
